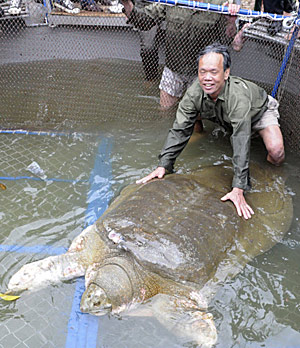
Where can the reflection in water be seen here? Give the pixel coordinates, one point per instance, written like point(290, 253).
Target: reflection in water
point(258, 308)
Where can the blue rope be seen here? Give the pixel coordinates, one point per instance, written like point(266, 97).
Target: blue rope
point(12, 178)
point(83, 328)
point(196, 5)
point(223, 9)
point(26, 132)
point(286, 56)
point(36, 249)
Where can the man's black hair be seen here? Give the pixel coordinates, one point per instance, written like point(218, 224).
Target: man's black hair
point(216, 47)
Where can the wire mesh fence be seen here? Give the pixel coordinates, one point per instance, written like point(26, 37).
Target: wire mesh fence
point(34, 201)
point(50, 72)
point(72, 70)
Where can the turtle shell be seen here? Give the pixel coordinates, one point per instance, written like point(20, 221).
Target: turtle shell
point(179, 228)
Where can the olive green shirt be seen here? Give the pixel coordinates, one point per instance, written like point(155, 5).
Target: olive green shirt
point(187, 32)
point(238, 106)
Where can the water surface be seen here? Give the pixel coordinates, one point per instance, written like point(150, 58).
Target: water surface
point(109, 101)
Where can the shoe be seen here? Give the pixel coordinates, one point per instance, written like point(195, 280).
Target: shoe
point(115, 7)
point(15, 7)
point(274, 28)
point(90, 5)
point(67, 6)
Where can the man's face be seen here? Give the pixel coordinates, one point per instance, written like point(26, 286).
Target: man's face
point(211, 74)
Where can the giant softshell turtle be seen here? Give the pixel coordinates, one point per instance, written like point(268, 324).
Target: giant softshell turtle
point(171, 238)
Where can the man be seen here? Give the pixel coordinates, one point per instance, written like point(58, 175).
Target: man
point(239, 106)
point(187, 31)
point(281, 7)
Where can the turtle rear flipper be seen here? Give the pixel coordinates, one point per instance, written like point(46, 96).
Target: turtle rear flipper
point(182, 317)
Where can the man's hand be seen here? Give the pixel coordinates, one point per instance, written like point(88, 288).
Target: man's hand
point(238, 199)
point(233, 9)
point(159, 173)
point(128, 7)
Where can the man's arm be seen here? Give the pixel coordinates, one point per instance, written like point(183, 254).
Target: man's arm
point(240, 141)
point(177, 138)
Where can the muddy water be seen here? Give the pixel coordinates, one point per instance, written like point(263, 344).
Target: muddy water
point(109, 101)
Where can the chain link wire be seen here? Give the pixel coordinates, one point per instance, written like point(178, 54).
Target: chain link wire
point(80, 67)
point(50, 213)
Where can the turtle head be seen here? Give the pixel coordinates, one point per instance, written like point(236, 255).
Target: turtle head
point(110, 288)
point(95, 301)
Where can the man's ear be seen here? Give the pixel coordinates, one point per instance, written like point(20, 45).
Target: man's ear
point(227, 72)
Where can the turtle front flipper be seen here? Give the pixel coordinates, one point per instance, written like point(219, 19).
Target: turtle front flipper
point(185, 320)
point(51, 270)
point(86, 249)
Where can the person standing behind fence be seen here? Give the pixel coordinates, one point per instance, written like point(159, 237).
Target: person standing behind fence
point(150, 42)
point(187, 31)
point(281, 7)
